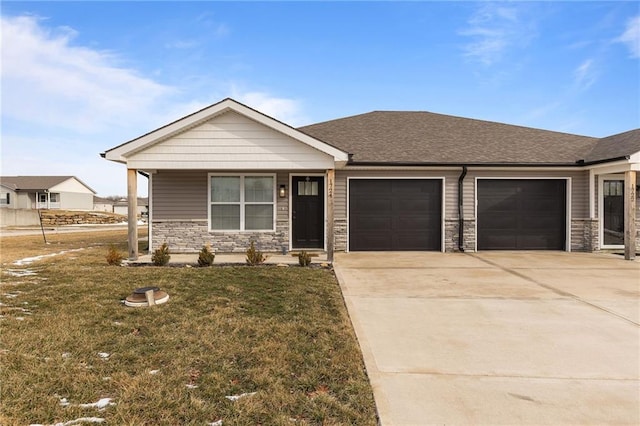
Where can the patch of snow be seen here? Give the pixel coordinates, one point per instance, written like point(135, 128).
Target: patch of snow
point(117, 323)
point(190, 386)
point(66, 355)
point(64, 402)
point(104, 355)
point(218, 423)
point(20, 272)
point(102, 403)
point(237, 397)
point(20, 318)
point(154, 371)
point(29, 260)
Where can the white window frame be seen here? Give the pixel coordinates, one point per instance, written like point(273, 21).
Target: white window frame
point(242, 202)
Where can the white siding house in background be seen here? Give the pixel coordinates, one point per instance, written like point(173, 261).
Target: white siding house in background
point(45, 192)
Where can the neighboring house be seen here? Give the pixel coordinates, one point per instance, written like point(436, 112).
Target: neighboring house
point(228, 174)
point(103, 204)
point(45, 192)
point(121, 206)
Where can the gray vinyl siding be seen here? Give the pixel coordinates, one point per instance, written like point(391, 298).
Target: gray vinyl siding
point(182, 194)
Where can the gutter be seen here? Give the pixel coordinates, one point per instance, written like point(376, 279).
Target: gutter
point(461, 210)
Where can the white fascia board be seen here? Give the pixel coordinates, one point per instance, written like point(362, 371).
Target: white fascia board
point(614, 167)
point(120, 153)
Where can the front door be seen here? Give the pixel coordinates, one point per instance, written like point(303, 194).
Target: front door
point(613, 212)
point(307, 212)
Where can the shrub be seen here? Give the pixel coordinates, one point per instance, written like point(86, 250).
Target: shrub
point(161, 256)
point(255, 257)
point(206, 256)
point(304, 258)
point(114, 257)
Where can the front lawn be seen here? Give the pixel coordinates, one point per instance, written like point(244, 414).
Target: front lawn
point(233, 345)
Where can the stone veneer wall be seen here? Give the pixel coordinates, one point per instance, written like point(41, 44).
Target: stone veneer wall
point(451, 235)
point(190, 236)
point(584, 235)
point(340, 234)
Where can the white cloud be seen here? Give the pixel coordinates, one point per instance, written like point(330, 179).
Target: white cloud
point(49, 81)
point(283, 109)
point(64, 103)
point(631, 36)
point(494, 29)
point(585, 74)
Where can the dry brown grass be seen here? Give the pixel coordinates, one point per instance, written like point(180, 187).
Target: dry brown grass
point(282, 333)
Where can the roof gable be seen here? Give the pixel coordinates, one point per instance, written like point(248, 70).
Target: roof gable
point(122, 152)
point(428, 138)
point(40, 183)
point(615, 147)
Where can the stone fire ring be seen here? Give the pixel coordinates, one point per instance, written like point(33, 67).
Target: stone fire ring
point(146, 296)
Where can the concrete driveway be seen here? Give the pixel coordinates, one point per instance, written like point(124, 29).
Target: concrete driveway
point(497, 337)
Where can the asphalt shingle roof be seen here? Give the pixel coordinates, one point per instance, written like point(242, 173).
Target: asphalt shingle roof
point(35, 183)
point(615, 146)
point(425, 137)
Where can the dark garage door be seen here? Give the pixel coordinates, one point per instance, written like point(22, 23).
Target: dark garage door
point(395, 214)
point(515, 214)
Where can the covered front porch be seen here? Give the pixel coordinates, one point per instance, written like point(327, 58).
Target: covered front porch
point(613, 202)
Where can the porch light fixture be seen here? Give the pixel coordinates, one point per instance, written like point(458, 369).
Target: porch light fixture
point(282, 191)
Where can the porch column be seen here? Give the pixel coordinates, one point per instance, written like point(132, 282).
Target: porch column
point(132, 212)
point(331, 177)
point(630, 215)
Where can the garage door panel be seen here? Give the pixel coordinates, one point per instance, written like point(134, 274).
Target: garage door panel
point(519, 214)
point(395, 214)
point(370, 205)
point(367, 223)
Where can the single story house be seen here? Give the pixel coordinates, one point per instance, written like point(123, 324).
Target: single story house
point(121, 206)
point(45, 192)
point(101, 204)
point(385, 180)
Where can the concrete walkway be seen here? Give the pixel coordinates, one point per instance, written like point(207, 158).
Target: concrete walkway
point(497, 337)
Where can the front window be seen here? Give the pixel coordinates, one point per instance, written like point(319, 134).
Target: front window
point(242, 203)
point(5, 199)
point(54, 197)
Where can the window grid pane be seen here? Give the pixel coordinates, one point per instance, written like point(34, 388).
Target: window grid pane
point(258, 189)
point(258, 217)
point(225, 216)
point(225, 189)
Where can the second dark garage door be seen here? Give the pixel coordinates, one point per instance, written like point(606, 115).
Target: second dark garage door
point(395, 214)
point(520, 214)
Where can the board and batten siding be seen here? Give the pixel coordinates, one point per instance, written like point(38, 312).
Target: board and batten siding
point(182, 195)
point(230, 141)
point(579, 187)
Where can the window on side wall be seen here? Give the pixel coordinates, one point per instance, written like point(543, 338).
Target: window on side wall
point(242, 202)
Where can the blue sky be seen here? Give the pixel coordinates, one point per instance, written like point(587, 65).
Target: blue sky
point(81, 77)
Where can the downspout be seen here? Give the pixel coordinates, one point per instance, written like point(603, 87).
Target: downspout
point(461, 210)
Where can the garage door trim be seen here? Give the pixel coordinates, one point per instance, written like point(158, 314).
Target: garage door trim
point(567, 201)
point(442, 180)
